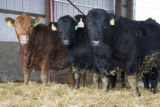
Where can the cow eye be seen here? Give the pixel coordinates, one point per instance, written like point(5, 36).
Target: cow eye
point(105, 26)
point(60, 31)
point(88, 26)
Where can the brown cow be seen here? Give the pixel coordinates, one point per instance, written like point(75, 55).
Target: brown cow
point(40, 47)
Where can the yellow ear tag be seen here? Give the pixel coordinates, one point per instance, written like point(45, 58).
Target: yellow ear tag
point(112, 22)
point(53, 27)
point(9, 24)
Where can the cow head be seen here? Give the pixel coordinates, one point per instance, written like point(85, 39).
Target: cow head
point(66, 29)
point(97, 22)
point(24, 26)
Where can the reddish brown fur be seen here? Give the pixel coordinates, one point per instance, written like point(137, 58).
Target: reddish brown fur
point(43, 50)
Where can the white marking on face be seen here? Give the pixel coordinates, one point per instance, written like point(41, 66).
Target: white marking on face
point(96, 42)
point(24, 39)
point(66, 42)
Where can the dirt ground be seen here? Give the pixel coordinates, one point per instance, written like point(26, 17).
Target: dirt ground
point(15, 94)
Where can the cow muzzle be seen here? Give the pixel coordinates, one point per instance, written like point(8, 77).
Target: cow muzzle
point(95, 43)
point(65, 42)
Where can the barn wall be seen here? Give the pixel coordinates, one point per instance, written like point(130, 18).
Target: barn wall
point(31, 6)
point(10, 69)
point(62, 7)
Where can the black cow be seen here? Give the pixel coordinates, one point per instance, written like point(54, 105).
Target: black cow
point(76, 40)
point(125, 41)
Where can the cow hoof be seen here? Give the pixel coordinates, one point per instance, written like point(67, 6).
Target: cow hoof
point(138, 94)
point(76, 88)
point(113, 86)
point(44, 79)
point(44, 84)
point(154, 91)
point(97, 87)
point(123, 85)
point(146, 87)
point(106, 91)
point(26, 79)
point(25, 83)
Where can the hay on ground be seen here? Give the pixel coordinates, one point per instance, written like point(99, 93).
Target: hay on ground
point(62, 95)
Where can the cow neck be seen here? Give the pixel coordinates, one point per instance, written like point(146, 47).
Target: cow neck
point(23, 51)
point(81, 36)
point(23, 56)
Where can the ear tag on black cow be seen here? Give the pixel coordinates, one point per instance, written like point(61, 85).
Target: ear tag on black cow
point(53, 27)
point(35, 24)
point(76, 27)
point(9, 24)
point(81, 24)
point(112, 23)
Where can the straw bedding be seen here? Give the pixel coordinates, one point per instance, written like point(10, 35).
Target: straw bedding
point(62, 95)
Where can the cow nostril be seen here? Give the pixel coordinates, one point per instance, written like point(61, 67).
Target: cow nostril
point(95, 43)
point(66, 42)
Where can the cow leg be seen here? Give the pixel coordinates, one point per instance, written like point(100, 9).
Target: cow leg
point(145, 79)
point(123, 79)
point(106, 82)
point(113, 80)
point(52, 75)
point(72, 79)
point(77, 79)
point(83, 78)
point(133, 78)
point(26, 73)
point(96, 79)
point(153, 79)
point(44, 72)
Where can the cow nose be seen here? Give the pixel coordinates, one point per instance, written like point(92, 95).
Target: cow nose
point(66, 42)
point(95, 43)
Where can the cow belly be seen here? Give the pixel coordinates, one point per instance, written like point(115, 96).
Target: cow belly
point(60, 64)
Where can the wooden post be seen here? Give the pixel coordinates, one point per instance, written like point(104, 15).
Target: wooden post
point(118, 7)
point(130, 9)
point(47, 11)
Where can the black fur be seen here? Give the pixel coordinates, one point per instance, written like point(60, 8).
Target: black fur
point(125, 43)
point(151, 78)
point(79, 49)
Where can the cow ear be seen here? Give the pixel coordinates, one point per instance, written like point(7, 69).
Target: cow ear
point(10, 21)
point(53, 26)
point(37, 21)
point(112, 21)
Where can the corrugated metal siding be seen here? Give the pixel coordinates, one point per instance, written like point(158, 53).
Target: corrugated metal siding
point(37, 6)
point(32, 6)
point(61, 9)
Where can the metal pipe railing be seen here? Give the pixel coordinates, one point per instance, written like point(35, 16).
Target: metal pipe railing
point(75, 7)
point(77, 4)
